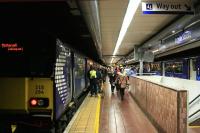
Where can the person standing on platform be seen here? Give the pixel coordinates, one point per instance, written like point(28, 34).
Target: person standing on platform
point(116, 75)
point(123, 81)
point(93, 81)
point(105, 73)
point(112, 81)
point(99, 80)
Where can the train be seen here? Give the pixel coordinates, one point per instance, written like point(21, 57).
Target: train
point(42, 83)
point(186, 68)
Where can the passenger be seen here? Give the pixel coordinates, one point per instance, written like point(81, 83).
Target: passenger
point(88, 76)
point(105, 74)
point(117, 78)
point(123, 81)
point(112, 81)
point(99, 80)
point(93, 81)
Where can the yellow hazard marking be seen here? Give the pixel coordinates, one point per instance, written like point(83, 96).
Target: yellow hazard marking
point(97, 115)
point(194, 126)
point(13, 127)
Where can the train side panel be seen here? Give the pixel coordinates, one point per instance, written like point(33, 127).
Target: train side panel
point(62, 79)
point(79, 75)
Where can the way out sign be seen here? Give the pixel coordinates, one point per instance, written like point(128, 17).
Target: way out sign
point(166, 8)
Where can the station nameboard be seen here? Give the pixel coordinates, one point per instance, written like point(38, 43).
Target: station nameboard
point(166, 8)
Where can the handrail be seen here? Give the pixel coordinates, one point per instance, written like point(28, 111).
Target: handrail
point(145, 73)
point(194, 113)
point(194, 99)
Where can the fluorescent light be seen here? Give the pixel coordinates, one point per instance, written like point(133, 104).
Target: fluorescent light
point(154, 51)
point(130, 12)
point(111, 60)
point(129, 60)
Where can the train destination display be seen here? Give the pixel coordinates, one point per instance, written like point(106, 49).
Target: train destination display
point(11, 47)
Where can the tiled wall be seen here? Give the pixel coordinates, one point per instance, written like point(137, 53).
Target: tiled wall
point(167, 108)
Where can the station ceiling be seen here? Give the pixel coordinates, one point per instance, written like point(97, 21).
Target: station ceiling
point(141, 29)
point(111, 15)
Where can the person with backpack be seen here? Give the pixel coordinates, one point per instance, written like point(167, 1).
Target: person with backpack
point(93, 81)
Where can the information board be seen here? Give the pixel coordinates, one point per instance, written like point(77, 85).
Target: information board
point(162, 7)
point(27, 56)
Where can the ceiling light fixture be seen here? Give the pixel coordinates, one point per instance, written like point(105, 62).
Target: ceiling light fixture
point(130, 12)
point(156, 50)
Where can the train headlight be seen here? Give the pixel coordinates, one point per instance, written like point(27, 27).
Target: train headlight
point(39, 102)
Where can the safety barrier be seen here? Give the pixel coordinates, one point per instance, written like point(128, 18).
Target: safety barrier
point(166, 107)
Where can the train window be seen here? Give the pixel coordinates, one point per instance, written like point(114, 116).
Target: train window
point(174, 67)
point(178, 67)
point(155, 67)
point(168, 67)
point(79, 63)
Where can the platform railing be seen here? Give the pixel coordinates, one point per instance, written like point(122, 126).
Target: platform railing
point(194, 105)
point(194, 113)
point(196, 98)
point(165, 107)
point(146, 74)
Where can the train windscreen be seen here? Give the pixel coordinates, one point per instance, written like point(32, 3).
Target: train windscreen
point(63, 91)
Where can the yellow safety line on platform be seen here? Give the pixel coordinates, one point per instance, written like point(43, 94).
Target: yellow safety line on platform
point(194, 126)
point(13, 128)
point(97, 115)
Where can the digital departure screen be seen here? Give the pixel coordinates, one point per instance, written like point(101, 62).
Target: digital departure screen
point(25, 55)
point(11, 47)
point(62, 78)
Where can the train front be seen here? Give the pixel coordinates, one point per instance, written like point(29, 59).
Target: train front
point(35, 80)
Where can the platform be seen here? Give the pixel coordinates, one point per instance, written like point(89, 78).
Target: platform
point(86, 119)
point(111, 115)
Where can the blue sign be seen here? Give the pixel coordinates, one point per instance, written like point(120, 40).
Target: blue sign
point(166, 8)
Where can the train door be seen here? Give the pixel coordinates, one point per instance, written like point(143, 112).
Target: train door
point(193, 70)
point(198, 68)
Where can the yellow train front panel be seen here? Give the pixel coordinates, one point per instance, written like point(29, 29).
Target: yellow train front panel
point(40, 95)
